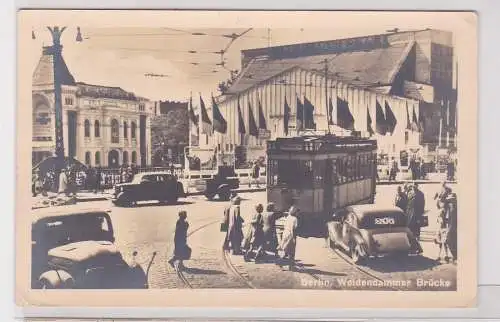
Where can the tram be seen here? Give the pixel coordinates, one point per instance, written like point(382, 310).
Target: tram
point(320, 174)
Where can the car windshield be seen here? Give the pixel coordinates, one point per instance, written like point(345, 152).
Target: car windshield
point(383, 219)
point(68, 229)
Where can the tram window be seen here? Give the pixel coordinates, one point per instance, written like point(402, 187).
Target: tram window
point(319, 172)
point(334, 169)
point(292, 173)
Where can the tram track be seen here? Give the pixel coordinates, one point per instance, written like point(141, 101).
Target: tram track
point(226, 257)
point(363, 271)
point(177, 269)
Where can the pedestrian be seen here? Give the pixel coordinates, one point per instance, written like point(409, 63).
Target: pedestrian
point(452, 222)
point(63, 182)
point(181, 249)
point(442, 236)
point(270, 238)
point(394, 170)
point(289, 238)
point(225, 221)
point(401, 199)
point(255, 174)
point(234, 235)
point(254, 237)
point(98, 178)
point(36, 186)
point(450, 171)
point(172, 168)
point(415, 210)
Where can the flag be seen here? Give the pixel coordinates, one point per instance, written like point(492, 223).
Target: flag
point(308, 114)
point(286, 117)
point(421, 118)
point(380, 123)
point(330, 111)
point(192, 116)
point(344, 117)
point(390, 118)
point(252, 126)
point(369, 127)
point(206, 124)
point(300, 115)
point(444, 115)
point(262, 118)
point(408, 123)
point(220, 124)
point(414, 121)
point(241, 123)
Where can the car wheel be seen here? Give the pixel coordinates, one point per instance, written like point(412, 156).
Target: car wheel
point(45, 285)
point(173, 200)
point(224, 195)
point(210, 196)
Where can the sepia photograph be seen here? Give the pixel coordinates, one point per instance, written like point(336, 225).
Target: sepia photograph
point(242, 152)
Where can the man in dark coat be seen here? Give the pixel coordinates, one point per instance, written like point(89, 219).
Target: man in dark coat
point(401, 199)
point(181, 248)
point(452, 219)
point(415, 209)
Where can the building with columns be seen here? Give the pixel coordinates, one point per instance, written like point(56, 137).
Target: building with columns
point(105, 126)
point(398, 88)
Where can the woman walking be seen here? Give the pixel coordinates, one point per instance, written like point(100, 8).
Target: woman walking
point(270, 238)
point(181, 248)
point(235, 227)
point(254, 237)
point(289, 238)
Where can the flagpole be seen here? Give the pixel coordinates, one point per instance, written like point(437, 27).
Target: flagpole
point(326, 98)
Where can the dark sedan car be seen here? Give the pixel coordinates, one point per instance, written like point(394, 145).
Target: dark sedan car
point(365, 231)
point(74, 248)
point(148, 186)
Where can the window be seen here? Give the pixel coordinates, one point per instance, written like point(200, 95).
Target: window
point(125, 129)
point(68, 100)
point(125, 157)
point(87, 128)
point(87, 158)
point(142, 107)
point(319, 168)
point(97, 129)
point(115, 131)
point(134, 157)
point(97, 158)
point(133, 129)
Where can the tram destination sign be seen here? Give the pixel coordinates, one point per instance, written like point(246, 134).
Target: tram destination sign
point(368, 145)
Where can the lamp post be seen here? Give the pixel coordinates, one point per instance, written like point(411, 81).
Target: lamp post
point(56, 51)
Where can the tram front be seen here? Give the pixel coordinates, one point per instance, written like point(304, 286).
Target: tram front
point(320, 174)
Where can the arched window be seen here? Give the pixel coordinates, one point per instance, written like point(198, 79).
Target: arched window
point(87, 158)
point(133, 129)
point(115, 131)
point(97, 129)
point(87, 128)
point(97, 158)
point(125, 157)
point(125, 129)
point(134, 157)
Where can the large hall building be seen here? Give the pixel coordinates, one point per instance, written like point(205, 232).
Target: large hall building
point(397, 87)
point(102, 126)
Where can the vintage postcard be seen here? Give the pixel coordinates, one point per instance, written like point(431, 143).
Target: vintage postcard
point(246, 159)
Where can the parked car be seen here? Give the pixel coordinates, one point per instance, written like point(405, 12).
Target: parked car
point(146, 186)
point(222, 183)
point(366, 231)
point(74, 248)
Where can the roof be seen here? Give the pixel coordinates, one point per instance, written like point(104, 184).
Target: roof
point(44, 71)
point(370, 209)
point(98, 91)
point(362, 68)
point(64, 211)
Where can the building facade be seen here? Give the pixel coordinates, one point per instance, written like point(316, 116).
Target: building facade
point(397, 88)
point(102, 126)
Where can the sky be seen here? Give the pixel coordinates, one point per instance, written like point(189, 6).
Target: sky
point(121, 56)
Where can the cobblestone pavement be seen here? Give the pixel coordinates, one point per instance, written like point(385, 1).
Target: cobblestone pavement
point(149, 227)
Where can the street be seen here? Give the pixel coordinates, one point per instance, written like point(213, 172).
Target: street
point(150, 227)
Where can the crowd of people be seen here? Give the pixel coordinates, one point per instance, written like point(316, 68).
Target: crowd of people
point(260, 236)
point(412, 201)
